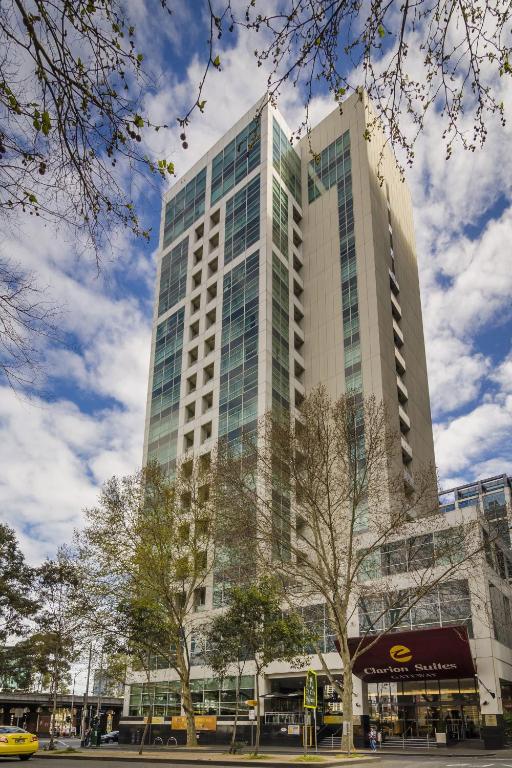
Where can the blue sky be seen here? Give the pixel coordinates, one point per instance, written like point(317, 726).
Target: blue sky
point(86, 422)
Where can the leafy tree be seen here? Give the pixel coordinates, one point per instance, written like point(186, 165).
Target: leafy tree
point(254, 627)
point(71, 81)
point(339, 466)
point(16, 582)
point(56, 644)
point(149, 546)
point(226, 651)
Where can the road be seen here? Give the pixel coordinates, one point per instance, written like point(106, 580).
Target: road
point(391, 761)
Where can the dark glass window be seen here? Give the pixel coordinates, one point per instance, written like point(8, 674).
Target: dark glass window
point(242, 227)
point(173, 277)
point(236, 160)
point(185, 208)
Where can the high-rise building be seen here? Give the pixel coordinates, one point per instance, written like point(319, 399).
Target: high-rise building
point(281, 268)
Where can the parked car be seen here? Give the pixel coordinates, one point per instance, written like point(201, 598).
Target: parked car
point(108, 738)
point(16, 742)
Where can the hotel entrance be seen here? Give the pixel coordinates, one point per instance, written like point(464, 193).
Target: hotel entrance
point(419, 708)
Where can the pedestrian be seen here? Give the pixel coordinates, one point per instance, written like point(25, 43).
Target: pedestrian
point(379, 739)
point(373, 740)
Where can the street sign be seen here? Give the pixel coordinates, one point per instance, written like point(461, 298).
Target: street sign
point(311, 690)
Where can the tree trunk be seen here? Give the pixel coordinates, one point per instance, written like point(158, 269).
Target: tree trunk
point(144, 733)
point(51, 744)
point(347, 744)
point(258, 725)
point(186, 696)
point(237, 695)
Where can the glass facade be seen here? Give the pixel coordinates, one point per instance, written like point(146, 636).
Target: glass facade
point(173, 277)
point(286, 161)
point(334, 167)
point(165, 395)
point(185, 208)
point(501, 616)
point(446, 605)
point(236, 160)
point(443, 547)
point(238, 401)
point(316, 619)
point(209, 697)
point(279, 218)
point(242, 220)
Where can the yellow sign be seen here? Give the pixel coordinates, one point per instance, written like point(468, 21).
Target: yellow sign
point(203, 722)
point(400, 653)
point(251, 703)
point(333, 719)
point(206, 722)
point(154, 720)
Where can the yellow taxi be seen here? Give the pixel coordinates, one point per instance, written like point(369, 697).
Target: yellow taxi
point(15, 742)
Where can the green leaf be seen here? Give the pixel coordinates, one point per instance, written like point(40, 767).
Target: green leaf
point(170, 168)
point(201, 104)
point(140, 57)
point(46, 123)
point(341, 91)
point(216, 62)
point(32, 198)
point(381, 31)
point(139, 122)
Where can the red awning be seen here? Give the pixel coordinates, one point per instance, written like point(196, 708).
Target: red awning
point(432, 654)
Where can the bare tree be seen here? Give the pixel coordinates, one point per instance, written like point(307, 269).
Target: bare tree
point(333, 512)
point(411, 58)
point(26, 317)
point(150, 545)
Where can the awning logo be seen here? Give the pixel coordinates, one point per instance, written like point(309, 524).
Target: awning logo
point(400, 653)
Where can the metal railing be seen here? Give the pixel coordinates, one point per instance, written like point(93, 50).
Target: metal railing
point(284, 718)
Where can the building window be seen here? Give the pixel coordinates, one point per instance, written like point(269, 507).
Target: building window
point(173, 277)
point(185, 208)
point(446, 605)
point(238, 399)
point(280, 218)
point(501, 616)
point(286, 161)
point(236, 160)
point(165, 394)
point(242, 228)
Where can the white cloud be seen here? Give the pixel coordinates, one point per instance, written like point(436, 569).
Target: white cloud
point(56, 452)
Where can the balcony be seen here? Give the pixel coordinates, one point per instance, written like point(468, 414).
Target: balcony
point(405, 422)
point(403, 395)
point(393, 283)
point(298, 261)
point(396, 308)
point(397, 334)
point(406, 450)
point(408, 481)
point(399, 362)
point(298, 311)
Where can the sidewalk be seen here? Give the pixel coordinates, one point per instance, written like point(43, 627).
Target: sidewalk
point(275, 756)
point(206, 755)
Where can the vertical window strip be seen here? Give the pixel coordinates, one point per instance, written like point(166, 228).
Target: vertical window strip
point(280, 335)
point(242, 226)
point(238, 400)
point(173, 277)
point(279, 218)
point(236, 161)
point(286, 161)
point(165, 395)
point(185, 208)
